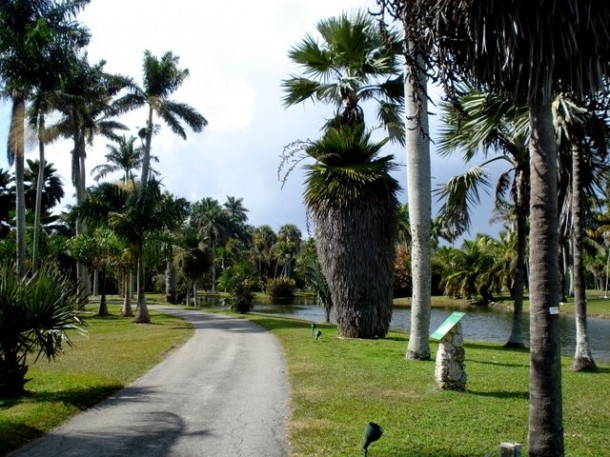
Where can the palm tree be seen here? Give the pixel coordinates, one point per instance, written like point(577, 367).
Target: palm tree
point(85, 101)
point(264, 239)
point(287, 247)
point(7, 201)
point(36, 315)
point(161, 78)
point(122, 156)
point(352, 64)
point(38, 40)
point(351, 196)
point(415, 49)
point(212, 222)
point(491, 124)
point(530, 51)
point(583, 134)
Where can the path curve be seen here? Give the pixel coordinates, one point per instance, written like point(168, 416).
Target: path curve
point(223, 394)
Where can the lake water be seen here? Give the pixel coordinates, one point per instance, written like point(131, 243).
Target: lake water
point(478, 324)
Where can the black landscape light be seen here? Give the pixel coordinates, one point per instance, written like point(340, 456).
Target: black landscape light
point(318, 334)
point(372, 433)
point(313, 327)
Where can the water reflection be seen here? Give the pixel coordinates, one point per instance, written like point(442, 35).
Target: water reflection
point(478, 324)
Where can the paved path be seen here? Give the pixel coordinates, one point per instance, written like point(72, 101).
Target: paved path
point(223, 394)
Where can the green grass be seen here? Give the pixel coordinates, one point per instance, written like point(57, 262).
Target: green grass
point(339, 385)
point(114, 353)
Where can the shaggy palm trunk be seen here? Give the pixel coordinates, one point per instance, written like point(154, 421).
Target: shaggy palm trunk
point(16, 142)
point(355, 244)
point(516, 335)
point(545, 436)
point(583, 358)
point(419, 190)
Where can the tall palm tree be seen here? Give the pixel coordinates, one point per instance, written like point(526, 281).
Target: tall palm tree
point(85, 102)
point(38, 40)
point(162, 77)
point(351, 196)
point(287, 246)
point(122, 156)
point(264, 238)
point(530, 51)
point(415, 49)
point(212, 222)
point(489, 123)
point(353, 63)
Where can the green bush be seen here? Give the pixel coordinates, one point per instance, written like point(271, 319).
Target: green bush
point(281, 287)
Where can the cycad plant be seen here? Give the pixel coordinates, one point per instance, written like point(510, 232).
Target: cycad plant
point(352, 199)
point(35, 314)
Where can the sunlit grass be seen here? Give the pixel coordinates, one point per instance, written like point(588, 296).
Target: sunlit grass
point(113, 353)
point(339, 385)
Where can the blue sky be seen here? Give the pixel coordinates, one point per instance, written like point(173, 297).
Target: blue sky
point(236, 52)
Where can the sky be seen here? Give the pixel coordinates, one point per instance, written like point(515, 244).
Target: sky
point(236, 53)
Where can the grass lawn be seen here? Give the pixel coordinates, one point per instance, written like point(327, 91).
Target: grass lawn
point(114, 353)
point(338, 386)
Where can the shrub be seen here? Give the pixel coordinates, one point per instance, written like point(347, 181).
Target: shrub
point(281, 287)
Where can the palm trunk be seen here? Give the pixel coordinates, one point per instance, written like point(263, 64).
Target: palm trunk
point(38, 204)
point(170, 281)
point(545, 436)
point(78, 180)
point(516, 336)
point(126, 310)
point(146, 158)
point(103, 310)
point(583, 358)
point(16, 145)
point(419, 190)
point(142, 316)
point(358, 267)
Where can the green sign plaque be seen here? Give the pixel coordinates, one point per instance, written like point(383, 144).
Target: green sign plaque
point(446, 326)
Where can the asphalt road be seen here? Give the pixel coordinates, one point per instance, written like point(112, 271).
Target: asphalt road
point(223, 394)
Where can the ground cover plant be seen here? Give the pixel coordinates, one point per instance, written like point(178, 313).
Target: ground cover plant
point(113, 353)
point(339, 385)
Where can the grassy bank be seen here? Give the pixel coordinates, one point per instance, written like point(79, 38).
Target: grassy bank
point(114, 353)
point(338, 386)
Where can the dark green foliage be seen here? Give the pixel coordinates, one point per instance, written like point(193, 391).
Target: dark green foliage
point(35, 314)
point(280, 287)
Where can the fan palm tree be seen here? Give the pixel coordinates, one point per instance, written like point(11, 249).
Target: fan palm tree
point(38, 40)
point(122, 156)
point(162, 77)
point(353, 63)
point(351, 196)
point(530, 51)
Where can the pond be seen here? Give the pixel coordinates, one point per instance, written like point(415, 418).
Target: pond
point(479, 324)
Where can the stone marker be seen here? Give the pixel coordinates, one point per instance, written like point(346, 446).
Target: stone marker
point(509, 450)
point(450, 373)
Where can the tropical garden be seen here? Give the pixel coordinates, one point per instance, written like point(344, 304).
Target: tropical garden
point(525, 87)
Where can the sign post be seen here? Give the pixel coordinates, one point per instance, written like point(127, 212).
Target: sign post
point(449, 372)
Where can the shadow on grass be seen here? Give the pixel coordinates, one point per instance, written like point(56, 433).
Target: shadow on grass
point(502, 394)
point(15, 434)
point(80, 398)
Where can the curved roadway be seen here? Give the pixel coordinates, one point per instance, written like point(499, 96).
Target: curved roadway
point(223, 394)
